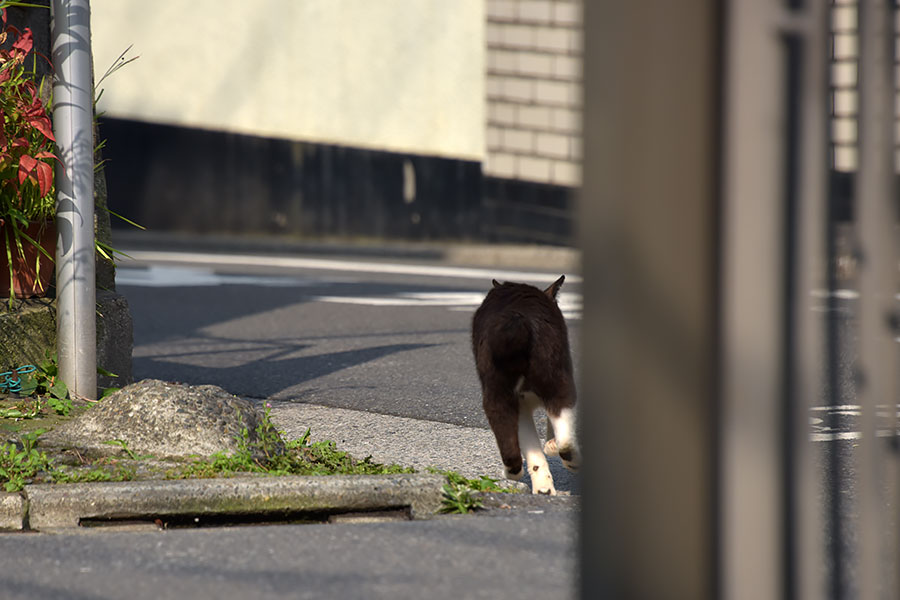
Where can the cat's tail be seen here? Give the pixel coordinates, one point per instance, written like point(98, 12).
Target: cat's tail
point(510, 343)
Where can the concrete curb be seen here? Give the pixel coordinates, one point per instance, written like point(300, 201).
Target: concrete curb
point(12, 511)
point(50, 507)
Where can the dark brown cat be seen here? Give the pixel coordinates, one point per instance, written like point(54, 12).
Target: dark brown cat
point(521, 348)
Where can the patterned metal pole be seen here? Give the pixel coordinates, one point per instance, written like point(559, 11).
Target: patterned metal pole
point(72, 125)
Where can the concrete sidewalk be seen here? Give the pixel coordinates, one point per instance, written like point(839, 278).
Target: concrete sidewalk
point(469, 451)
point(521, 545)
point(369, 536)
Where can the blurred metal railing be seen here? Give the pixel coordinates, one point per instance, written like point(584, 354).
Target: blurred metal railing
point(708, 224)
point(876, 233)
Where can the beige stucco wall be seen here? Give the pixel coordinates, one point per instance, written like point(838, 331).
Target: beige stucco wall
point(400, 75)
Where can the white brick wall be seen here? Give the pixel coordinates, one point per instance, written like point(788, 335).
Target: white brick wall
point(534, 90)
point(844, 39)
point(843, 78)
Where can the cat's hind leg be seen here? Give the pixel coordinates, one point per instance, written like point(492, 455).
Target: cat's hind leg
point(563, 444)
point(502, 412)
point(538, 469)
point(550, 444)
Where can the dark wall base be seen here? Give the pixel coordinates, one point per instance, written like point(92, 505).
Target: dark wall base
point(178, 179)
point(526, 212)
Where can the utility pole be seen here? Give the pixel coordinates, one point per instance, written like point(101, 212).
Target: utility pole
point(73, 128)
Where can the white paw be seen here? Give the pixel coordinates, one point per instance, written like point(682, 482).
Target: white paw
point(544, 491)
point(550, 448)
point(542, 482)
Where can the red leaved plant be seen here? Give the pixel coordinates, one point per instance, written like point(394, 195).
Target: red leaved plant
point(27, 145)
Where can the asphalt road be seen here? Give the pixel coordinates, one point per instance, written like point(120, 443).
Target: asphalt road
point(344, 335)
point(386, 340)
point(381, 349)
point(523, 555)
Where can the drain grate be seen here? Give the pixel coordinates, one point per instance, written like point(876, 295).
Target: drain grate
point(198, 521)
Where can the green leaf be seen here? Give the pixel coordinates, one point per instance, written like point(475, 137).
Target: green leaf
point(59, 390)
point(22, 4)
point(104, 372)
point(9, 261)
point(126, 219)
point(60, 406)
point(50, 365)
point(29, 384)
point(108, 392)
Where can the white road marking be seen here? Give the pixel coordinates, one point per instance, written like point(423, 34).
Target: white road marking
point(296, 262)
point(836, 407)
point(846, 435)
point(168, 276)
point(833, 437)
point(822, 433)
point(840, 294)
point(410, 299)
point(184, 276)
point(569, 303)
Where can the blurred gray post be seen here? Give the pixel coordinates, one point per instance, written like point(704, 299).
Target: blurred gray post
point(72, 125)
point(702, 219)
point(876, 223)
point(648, 228)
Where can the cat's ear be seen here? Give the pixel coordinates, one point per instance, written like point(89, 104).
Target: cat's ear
point(495, 282)
point(553, 290)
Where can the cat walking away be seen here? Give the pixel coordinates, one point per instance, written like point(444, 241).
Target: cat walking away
point(521, 347)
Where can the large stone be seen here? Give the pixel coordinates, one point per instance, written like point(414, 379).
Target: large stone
point(162, 419)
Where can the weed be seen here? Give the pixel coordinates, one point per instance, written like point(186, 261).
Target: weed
point(128, 451)
point(41, 389)
point(328, 457)
point(68, 475)
point(482, 484)
point(45, 383)
point(266, 453)
point(458, 491)
point(458, 500)
point(26, 408)
point(269, 454)
point(108, 392)
point(19, 465)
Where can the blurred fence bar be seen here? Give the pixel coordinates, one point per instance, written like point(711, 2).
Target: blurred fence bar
point(806, 189)
point(754, 551)
point(649, 220)
point(876, 223)
point(711, 151)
